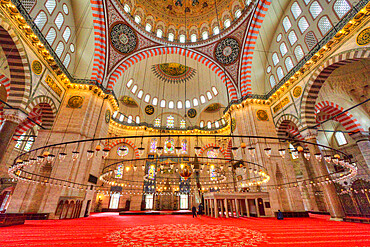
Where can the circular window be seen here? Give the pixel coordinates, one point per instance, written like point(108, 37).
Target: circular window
point(65, 9)
point(122, 151)
point(72, 47)
point(268, 69)
point(278, 38)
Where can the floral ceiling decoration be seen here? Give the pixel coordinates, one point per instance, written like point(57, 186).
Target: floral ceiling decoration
point(123, 38)
point(173, 72)
point(227, 51)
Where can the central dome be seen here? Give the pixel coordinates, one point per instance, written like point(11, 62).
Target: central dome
point(185, 20)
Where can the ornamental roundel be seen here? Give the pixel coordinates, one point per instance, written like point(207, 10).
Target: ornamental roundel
point(149, 110)
point(123, 38)
point(363, 38)
point(192, 113)
point(262, 115)
point(107, 116)
point(297, 91)
point(36, 67)
point(75, 102)
point(227, 51)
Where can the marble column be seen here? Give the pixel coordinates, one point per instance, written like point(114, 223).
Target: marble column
point(212, 207)
point(236, 207)
point(332, 200)
point(247, 208)
point(222, 208)
point(216, 208)
point(363, 142)
point(226, 208)
point(257, 209)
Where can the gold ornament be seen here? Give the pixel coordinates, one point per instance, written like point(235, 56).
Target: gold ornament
point(300, 149)
point(243, 145)
point(98, 148)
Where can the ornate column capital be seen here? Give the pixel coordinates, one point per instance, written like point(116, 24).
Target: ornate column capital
point(309, 134)
point(14, 115)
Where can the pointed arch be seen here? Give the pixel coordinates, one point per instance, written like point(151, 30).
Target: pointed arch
point(126, 141)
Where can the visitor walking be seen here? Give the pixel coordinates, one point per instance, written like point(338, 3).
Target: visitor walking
point(194, 211)
point(280, 215)
point(200, 210)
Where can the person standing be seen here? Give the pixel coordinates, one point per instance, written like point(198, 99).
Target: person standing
point(280, 215)
point(194, 211)
point(200, 210)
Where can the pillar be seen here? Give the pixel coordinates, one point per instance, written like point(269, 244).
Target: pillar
point(332, 200)
point(236, 207)
point(206, 207)
point(257, 209)
point(247, 208)
point(216, 208)
point(226, 208)
point(211, 207)
point(363, 143)
point(222, 209)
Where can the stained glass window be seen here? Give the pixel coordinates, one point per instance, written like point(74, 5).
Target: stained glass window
point(119, 173)
point(184, 145)
point(170, 122)
point(151, 172)
point(157, 122)
point(122, 151)
point(169, 150)
point(341, 7)
point(19, 142)
point(29, 144)
point(182, 124)
point(153, 145)
point(212, 172)
point(211, 154)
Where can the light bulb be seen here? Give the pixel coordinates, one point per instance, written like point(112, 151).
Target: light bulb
point(141, 151)
point(40, 159)
point(234, 150)
point(105, 152)
point(282, 152)
point(90, 154)
point(216, 150)
point(252, 151)
point(197, 150)
point(62, 156)
point(268, 152)
point(318, 157)
point(335, 161)
point(159, 151)
point(75, 155)
point(327, 158)
point(178, 150)
point(307, 155)
point(294, 152)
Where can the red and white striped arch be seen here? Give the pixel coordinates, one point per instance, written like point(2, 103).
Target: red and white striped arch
point(349, 122)
point(114, 143)
point(288, 124)
point(99, 21)
point(249, 44)
point(23, 127)
point(5, 81)
point(210, 145)
point(130, 61)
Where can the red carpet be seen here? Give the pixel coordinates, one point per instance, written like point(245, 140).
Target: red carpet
point(109, 229)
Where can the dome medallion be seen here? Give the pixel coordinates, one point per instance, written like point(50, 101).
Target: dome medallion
point(227, 51)
point(123, 38)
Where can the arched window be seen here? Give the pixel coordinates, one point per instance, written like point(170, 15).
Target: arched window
point(187, 104)
point(269, 68)
point(292, 37)
point(129, 83)
point(171, 37)
point(324, 25)
point(171, 104)
point(140, 94)
point(227, 23)
point(147, 98)
point(72, 47)
point(195, 102)
point(308, 1)
point(341, 139)
point(163, 103)
point(157, 122)
point(315, 9)
point(217, 124)
point(137, 119)
point(59, 20)
point(148, 27)
point(278, 37)
point(137, 19)
point(303, 24)
point(201, 124)
point(41, 20)
point(280, 73)
point(184, 145)
point(209, 95)
point(283, 49)
point(298, 52)
point(179, 104)
point(182, 124)
point(153, 143)
point(182, 38)
point(202, 99)
point(214, 90)
point(275, 58)
point(134, 88)
point(205, 35)
point(60, 48)
point(287, 24)
point(216, 30)
point(67, 60)
point(296, 10)
point(170, 122)
point(50, 6)
point(127, 8)
point(209, 125)
point(310, 40)
point(272, 81)
point(341, 8)
point(289, 64)
point(159, 33)
point(193, 37)
point(238, 13)
point(115, 114)
point(170, 149)
point(66, 34)
point(25, 141)
point(50, 36)
point(155, 101)
point(121, 118)
point(129, 120)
